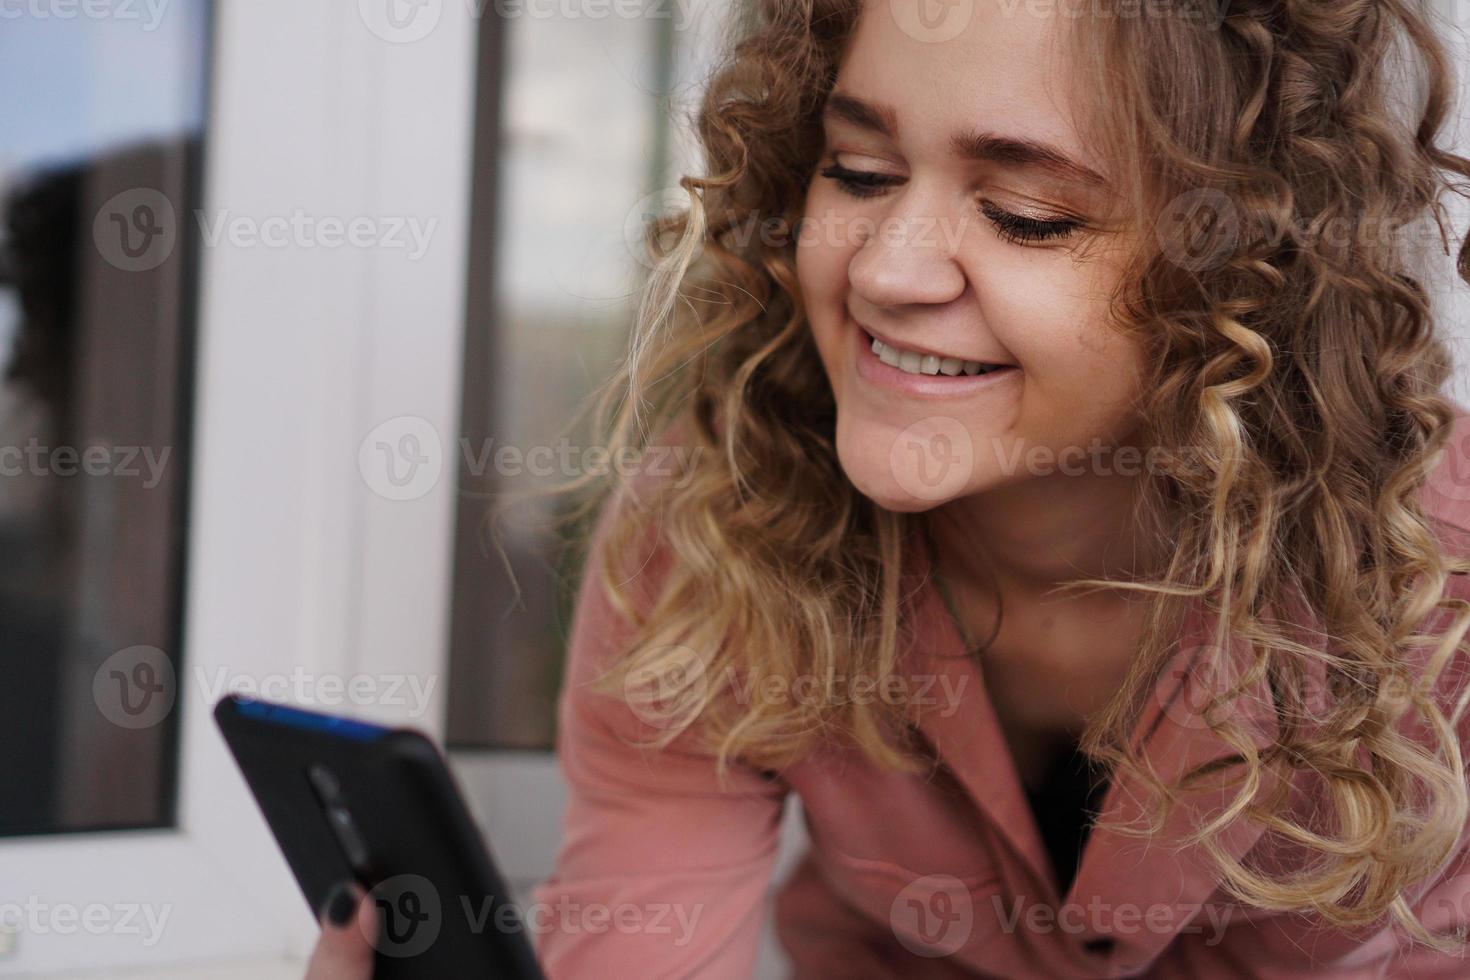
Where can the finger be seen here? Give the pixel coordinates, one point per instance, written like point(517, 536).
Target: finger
point(342, 952)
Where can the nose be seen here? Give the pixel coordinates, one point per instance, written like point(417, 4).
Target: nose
point(906, 258)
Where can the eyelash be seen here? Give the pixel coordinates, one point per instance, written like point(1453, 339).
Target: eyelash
point(1014, 228)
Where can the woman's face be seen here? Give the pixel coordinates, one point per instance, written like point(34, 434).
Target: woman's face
point(944, 221)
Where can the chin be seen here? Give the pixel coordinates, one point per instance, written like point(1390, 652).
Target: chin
point(890, 480)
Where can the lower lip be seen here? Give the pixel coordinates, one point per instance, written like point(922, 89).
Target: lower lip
point(873, 370)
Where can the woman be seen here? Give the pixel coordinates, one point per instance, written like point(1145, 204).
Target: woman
point(1077, 523)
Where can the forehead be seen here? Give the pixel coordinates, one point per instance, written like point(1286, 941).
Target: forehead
point(1008, 71)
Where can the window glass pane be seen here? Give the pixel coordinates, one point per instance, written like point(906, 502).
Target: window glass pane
point(99, 154)
point(592, 132)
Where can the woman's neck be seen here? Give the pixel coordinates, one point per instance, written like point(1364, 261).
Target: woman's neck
point(1027, 538)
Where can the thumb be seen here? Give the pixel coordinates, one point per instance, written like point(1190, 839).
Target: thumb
point(343, 951)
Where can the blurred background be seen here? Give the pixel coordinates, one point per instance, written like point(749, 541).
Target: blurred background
point(288, 293)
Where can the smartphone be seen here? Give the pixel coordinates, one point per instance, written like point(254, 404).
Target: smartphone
point(350, 800)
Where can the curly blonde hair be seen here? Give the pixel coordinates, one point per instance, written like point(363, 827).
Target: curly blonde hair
point(1295, 366)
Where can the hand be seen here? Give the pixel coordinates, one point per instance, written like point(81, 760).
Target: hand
point(343, 951)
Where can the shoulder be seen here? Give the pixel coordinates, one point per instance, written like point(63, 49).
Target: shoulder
point(627, 629)
point(1446, 492)
point(1446, 499)
point(626, 544)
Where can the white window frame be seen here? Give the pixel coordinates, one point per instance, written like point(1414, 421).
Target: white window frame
point(293, 560)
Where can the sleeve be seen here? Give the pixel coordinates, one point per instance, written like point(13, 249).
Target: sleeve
point(1444, 906)
point(662, 870)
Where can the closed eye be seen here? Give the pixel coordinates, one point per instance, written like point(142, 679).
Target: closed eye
point(1012, 227)
point(860, 183)
point(1020, 228)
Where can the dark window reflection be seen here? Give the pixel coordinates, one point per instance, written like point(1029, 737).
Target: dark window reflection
point(99, 179)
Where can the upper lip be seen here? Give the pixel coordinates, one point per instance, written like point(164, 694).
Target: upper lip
point(921, 349)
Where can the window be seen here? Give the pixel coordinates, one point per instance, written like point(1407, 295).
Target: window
point(299, 574)
point(99, 168)
point(584, 125)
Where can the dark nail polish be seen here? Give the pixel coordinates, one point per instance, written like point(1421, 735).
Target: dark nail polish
point(340, 905)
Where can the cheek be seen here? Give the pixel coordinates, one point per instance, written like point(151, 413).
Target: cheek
point(821, 273)
point(1081, 373)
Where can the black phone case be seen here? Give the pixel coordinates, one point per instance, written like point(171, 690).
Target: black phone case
point(443, 909)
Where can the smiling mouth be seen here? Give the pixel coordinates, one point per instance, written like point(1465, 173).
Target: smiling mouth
point(918, 362)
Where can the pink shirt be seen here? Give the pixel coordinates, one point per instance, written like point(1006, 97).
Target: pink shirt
point(663, 872)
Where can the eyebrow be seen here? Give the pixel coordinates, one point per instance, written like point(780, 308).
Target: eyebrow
point(984, 147)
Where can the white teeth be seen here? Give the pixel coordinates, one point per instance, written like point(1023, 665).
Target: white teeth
point(911, 362)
